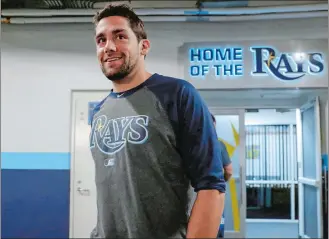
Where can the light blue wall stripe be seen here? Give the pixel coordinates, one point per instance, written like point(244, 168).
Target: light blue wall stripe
point(15, 160)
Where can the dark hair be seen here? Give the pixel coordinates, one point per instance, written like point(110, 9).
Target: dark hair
point(123, 10)
point(213, 118)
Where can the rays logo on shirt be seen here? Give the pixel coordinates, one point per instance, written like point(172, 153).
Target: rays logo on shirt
point(112, 135)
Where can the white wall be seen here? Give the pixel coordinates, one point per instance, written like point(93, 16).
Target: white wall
point(41, 64)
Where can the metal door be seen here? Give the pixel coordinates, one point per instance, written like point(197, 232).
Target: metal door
point(309, 170)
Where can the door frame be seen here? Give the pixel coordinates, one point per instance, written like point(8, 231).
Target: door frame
point(73, 98)
point(75, 94)
point(305, 181)
point(242, 165)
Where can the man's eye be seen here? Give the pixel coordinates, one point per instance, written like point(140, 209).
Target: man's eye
point(120, 37)
point(100, 40)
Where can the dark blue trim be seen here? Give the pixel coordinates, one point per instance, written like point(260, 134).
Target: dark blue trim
point(35, 203)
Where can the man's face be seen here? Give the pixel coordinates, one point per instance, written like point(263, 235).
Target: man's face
point(118, 50)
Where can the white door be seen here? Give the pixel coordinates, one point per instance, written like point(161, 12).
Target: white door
point(230, 130)
point(309, 161)
point(83, 209)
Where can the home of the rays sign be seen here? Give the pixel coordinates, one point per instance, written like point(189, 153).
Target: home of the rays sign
point(234, 62)
point(219, 62)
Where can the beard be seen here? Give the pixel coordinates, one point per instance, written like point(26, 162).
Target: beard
point(120, 74)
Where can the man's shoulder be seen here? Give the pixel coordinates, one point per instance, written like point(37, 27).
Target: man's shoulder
point(176, 84)
point(172, 80)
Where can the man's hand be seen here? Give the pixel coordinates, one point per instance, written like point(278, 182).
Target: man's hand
point(228, 172)
point(206, 214)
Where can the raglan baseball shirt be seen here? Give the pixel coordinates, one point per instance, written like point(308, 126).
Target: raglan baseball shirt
point(150, 144)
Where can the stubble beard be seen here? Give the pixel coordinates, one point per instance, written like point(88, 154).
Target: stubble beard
point(123, 72)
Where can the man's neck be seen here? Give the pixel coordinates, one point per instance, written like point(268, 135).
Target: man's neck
point(131, 81)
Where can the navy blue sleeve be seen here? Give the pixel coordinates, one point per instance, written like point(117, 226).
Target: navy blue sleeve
point(195, 133)
point(197, 141)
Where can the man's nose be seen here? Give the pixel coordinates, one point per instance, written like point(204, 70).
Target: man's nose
point(110, 46)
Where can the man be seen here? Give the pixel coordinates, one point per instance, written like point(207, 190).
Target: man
point(152, 138)
point(227, 163)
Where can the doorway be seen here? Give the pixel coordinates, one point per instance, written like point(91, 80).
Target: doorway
point(274, 153)
point(283, 171)
point(289, 210)
point(271, 173)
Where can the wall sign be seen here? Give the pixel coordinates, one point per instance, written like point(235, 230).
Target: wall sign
point(255, 64)
point(230, 63)
point(223, 61)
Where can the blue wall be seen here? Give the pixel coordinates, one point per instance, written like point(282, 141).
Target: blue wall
point(35, 194)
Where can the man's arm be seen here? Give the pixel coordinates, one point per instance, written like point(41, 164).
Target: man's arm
point(206, 214)
point(202, 157)
point(228, 172)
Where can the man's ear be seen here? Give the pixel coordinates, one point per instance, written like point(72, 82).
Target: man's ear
point(145, 46)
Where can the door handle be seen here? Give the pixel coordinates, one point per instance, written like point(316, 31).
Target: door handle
point(83, 191)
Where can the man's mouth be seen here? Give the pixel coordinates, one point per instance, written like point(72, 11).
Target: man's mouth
point(113, 59)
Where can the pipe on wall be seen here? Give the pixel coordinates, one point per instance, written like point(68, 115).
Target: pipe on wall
point(169, 11)
point(27, 16)
point(35, 20)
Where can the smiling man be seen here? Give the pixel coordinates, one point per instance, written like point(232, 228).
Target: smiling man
point(152, 138)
